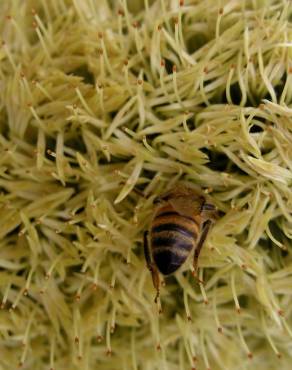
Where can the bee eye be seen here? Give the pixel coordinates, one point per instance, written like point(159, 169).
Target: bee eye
point(157, 200)
point(208, 207)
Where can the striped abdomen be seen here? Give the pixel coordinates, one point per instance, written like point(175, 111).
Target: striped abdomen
point(173, 236)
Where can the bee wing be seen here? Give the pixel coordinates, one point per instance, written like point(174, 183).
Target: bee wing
point(186, 206)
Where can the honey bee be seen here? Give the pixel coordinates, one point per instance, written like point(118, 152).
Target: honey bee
point(181, 223)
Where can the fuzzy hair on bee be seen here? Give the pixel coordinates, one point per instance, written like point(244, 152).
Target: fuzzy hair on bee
point(181, 222)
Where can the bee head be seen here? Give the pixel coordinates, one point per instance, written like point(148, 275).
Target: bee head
point(209, 211)
point(179, 191)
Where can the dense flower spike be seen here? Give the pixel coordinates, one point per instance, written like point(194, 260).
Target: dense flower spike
point(102, 101)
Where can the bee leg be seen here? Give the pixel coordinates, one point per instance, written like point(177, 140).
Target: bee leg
point(139, 192)
point(147, 251)
point(151, 266)
point(203, 237)
point(156, 282)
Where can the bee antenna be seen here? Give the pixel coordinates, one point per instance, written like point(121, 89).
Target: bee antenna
point(135, 190)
